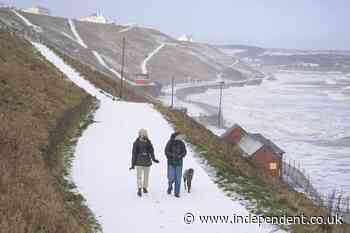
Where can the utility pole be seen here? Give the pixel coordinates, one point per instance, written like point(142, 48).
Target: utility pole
point(172, 92)
point(122, 69)
point(220, 103)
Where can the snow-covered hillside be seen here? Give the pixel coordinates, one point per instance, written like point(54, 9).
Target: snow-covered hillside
point(100, 170)
point(144, 48)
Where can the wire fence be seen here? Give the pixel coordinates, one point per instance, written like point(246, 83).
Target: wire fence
point(336, 203)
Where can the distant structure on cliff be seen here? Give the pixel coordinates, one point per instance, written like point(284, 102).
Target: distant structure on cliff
point(95, 18)
point(187, 38)
point(39, 10)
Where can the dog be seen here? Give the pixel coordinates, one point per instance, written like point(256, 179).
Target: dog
point(188, 175)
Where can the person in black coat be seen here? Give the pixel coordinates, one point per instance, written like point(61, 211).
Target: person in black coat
point(142, 157)
point(175, 151)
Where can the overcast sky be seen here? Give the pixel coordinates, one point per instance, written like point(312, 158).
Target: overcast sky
point(311, 24)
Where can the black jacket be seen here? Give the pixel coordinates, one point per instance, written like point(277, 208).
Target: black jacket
point(175, 151)
point(142, 153)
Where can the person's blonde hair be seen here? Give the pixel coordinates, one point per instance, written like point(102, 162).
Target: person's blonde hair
point(143, 132)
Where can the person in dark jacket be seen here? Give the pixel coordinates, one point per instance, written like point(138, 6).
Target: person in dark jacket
point(175, 151)
point(142, 157)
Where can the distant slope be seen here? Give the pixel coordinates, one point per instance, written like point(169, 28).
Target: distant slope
point(199, 61)
point(294, 59)
point(241, 50)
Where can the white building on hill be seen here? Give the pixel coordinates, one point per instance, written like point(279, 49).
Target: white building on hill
point(187, 38)
point(94, 18)
point(39, 10)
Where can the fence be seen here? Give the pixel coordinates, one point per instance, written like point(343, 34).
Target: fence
point(335, 203)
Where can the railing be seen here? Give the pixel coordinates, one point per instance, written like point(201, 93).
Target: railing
point(334, 203)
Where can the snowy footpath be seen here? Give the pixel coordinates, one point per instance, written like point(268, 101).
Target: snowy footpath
point(76, 34)
point(26, 21)
point(148, 58)
point(101, 172)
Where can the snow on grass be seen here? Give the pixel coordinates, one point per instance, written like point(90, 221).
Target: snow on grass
point(234, 63)
point(233, 52)
point(69, 37)
point(73, 75)
point(27, 22)
point(95, 53)
point(76, 34)
point(144, 63)
point(127, 28)
point(103, 63)
point(100, 170)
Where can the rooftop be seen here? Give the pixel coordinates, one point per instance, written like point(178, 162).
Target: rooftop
point(252, 142)
point(234, 127)
point(265, 141)
point(249, 144)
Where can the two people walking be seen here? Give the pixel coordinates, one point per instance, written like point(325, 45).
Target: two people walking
point(143, 155)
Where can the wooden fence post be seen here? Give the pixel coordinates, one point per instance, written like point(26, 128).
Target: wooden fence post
point(331, 201)
point(338, 205)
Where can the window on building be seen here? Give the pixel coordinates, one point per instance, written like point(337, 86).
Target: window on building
point(273, 166)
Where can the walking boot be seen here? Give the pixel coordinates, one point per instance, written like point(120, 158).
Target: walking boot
point(139, 193)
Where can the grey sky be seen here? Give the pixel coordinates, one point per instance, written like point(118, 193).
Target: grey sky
point(313, 24)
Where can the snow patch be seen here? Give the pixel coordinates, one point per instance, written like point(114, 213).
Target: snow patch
point(27, 22)
point(233, 52)
point(127, 28)
point(73, 75)
point(144, 63)
point(76, 34)
point(103, 63)
point(69, 37)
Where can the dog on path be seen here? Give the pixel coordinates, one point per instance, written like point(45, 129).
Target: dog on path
point(188, 175)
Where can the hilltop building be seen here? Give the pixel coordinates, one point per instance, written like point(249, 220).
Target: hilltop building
point(186, 38)
point(39, 10)
point(94, 18)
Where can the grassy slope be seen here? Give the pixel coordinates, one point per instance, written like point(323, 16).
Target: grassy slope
point(34, 98)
